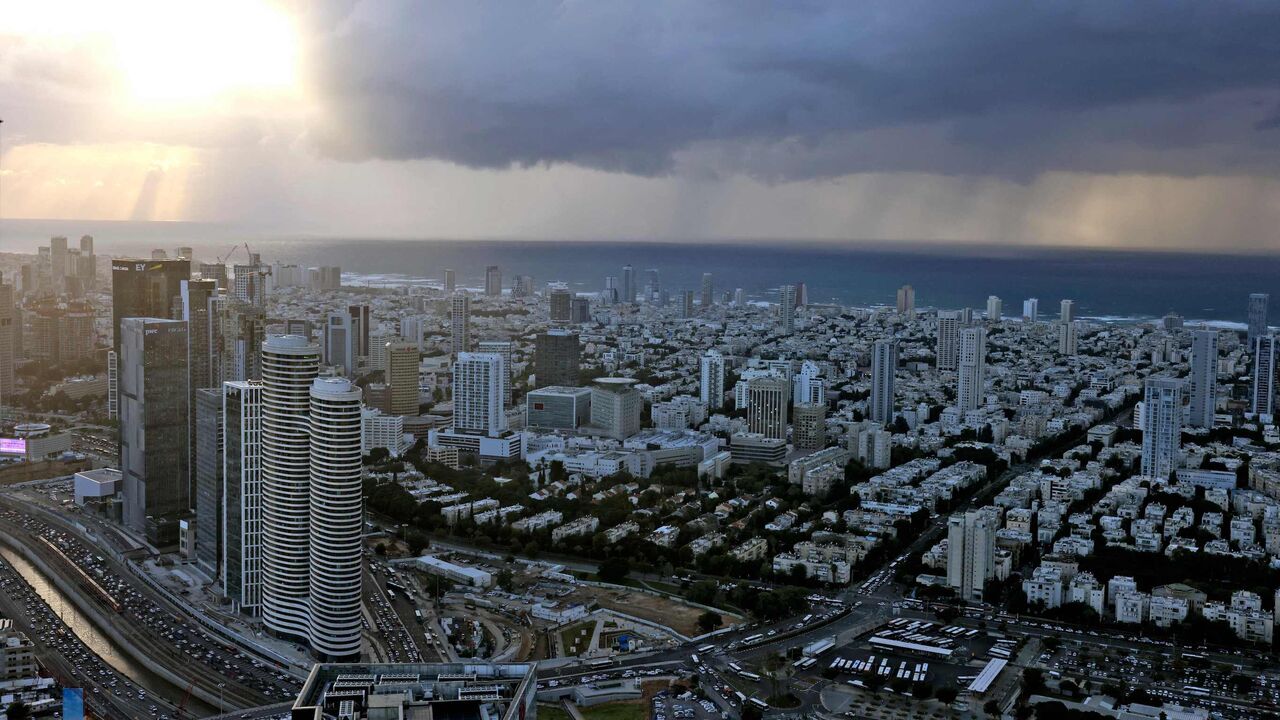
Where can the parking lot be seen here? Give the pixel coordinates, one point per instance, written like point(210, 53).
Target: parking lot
point(685, 706)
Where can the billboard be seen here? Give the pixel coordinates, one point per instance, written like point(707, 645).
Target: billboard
point(13, 446)
point(72, 704)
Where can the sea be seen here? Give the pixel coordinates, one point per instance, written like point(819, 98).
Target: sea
point(1106, 284)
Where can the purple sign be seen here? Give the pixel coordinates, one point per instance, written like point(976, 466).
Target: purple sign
point(13, 446)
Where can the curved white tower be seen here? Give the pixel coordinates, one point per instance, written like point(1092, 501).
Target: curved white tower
point(336, 517)
point(289, 365)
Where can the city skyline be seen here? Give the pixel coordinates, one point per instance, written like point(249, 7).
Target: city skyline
point(639, 361)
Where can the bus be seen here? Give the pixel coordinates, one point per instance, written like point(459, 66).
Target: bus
point(735, 667)
point(602, 662)
point(759, 703)
point(1197, 691)
point(749, 676)
point(752, 638)
point(706, 648)
point(417, 614)
point(392, 585)
point(391, 595)
point(694, 657)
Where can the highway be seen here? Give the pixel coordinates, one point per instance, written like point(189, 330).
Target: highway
point(65, 657)
point(160, 631)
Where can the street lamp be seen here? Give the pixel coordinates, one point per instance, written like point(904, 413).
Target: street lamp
point(220, 708)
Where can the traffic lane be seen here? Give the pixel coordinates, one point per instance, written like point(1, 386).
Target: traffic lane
point(150, 622)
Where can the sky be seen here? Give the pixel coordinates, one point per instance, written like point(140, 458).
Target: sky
point(1140, 124)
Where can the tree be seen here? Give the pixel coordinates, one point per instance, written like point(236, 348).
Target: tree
point(709, 621)
point(702, 592)
point(946, 695)
point(992, 708)
point(615, 569)
point(18, 710)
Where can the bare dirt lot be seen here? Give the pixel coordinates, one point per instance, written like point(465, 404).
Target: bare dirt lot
point(681, 618)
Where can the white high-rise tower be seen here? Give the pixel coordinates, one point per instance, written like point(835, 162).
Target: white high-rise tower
point(289, 365)
point(1161, 426)
point(336, 516)
point(995, 308)
point(477, 394)
point(972, 367)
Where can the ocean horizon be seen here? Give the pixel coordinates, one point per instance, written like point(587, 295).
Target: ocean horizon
point(1105, 283)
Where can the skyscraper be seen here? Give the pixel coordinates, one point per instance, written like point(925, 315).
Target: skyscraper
point(340, 342)
point(336, 520)
point(87, 264)
point(1031, 310)
point(1161, 426)
point(906, 300)
point(1264, 376)
point(477, 394)
point(401, 376)
point(1204, 378)
point(195, 295)
point(560, 299)
point(503, 349)
point(708, 291)
point(249, 283)
point(787, 308)
point(970, 553)
point(686, 304)
point(1067, 311)
point(995, 308)
point(216, 272)
point(144, 288)
point(241, 501)
point(450, 283)
point(628, 284)
point(884, 363)
point(711, 379)
point(1068, 337)
point(972, 368)
point(361, 327)
point(154, 456)
point(289, 365)
point(767, 412)
point(556, 358)
point(579, 310)
point(493, 281)
point(459, 323)
point(1258, 320)
point(948, 340)
point(807, 386)
point(58, 263)
point(209, 493)
point(809, 428)
point(7, 328)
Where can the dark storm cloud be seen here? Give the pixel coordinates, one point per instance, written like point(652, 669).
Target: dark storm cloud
point(804, 89)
